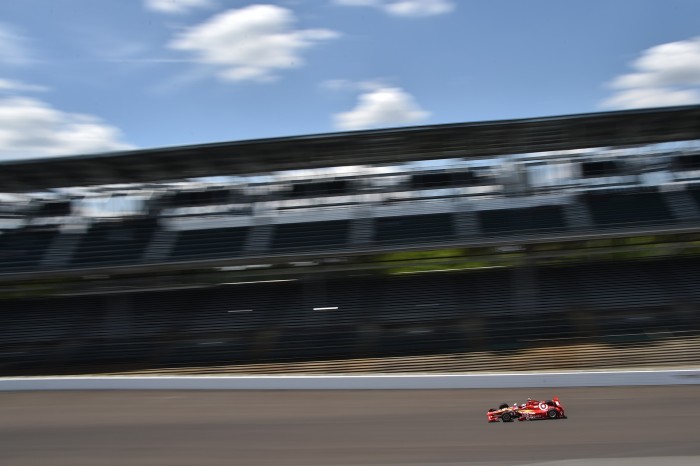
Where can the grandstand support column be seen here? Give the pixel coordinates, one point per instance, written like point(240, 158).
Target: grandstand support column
point(161, 245)
point(362, 226)
point(577, 215)
point(682, 206)
point(515, 179)
point(465, 220)
point(524, 280)
point(61, 251)
point(260, 236)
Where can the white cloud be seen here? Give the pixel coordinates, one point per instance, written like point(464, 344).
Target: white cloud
point(381, 107)
point(32, 128)
point(663, 75)
point(251, 43)
point(374, 3)
point(348, 85)
point(12, 86)
point(13, 50)
point(652, 97)
point(337, 84)
point(405, 8)
point(177, 6)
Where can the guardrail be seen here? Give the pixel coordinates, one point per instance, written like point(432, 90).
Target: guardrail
point(359, 382)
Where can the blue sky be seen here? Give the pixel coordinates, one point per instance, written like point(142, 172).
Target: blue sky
point(88, 76)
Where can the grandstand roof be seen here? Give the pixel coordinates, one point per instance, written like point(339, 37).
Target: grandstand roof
point(463, 140)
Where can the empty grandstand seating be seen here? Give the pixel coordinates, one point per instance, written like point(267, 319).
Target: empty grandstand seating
point(412, 228)
point(311, 235)
point(210, 243)
point(336, 302)
point(193, 198)
point(23, 249)
point(35, 321)
point(316, 343)
point(467, 312)
point(483, 292)
point(56, 208)
point(695, 194)
point(214, 351)
point(600, 168)
point(445, 179)
point(117, 354)
point(225, 309)
point(526, 220)
point(686, 162)
point(321, 188)
point(421, 298)
point(640, 208)
point(135, 241)
point(114, 242)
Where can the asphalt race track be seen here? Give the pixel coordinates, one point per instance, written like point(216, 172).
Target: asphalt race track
point(606, 426)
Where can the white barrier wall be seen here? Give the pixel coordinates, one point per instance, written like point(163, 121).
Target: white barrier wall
point(359, 382)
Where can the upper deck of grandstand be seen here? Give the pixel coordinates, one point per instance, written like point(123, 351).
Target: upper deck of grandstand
point(466, 141)
point(492, 184)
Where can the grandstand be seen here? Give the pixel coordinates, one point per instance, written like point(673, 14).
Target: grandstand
point(554, 243)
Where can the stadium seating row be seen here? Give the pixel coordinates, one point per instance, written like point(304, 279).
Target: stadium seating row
point(134, 241)
point(375, 315)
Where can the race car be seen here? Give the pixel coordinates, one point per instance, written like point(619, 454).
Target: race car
point(530, 411)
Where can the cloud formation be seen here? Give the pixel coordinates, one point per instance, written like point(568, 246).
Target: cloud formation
point(13, 50)
point(250, 44)
point(405, 8)
point(12, 86)
point(177, 6)
point(663, 75)
point(381, 107)
point(32, 128)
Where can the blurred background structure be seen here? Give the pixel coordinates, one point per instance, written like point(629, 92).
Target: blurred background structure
point(552, 243)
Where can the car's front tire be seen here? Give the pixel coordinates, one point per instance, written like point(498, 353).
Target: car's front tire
point(506, 417)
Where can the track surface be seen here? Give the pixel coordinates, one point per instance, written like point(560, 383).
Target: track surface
point(334, 428)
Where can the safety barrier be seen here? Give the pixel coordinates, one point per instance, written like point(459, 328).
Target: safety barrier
point(359, 382)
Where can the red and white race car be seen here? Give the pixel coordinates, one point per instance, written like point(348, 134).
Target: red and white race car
point(530, 411)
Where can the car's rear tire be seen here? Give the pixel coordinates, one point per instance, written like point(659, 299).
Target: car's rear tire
point(552, 414)
point(506, 417)
point(503, 406)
